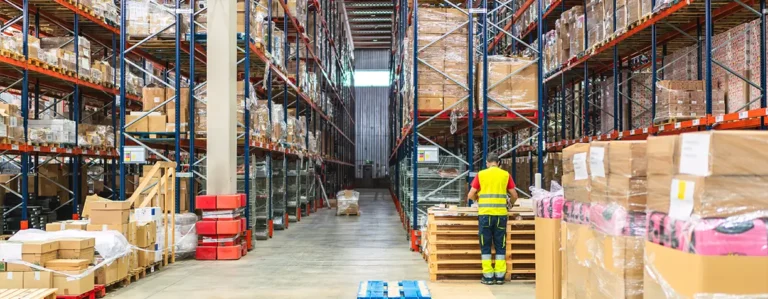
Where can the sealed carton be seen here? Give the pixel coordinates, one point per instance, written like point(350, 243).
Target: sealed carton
point(710, 196)
point(152, 97)
point(628, 158)
point(110, 212)
point(34, 252)
point(65, 225)
point(140, 124)
point(12, 280)
point(599, 158)
point(671, 272)
point(68, 264)
point(662, 154)
point(576, 272)
point(628, 192)
point(77, 248)
point(548, 258)
point(724, 153)
point(156, 123)
point(575, 158)
point(67, 285)
point(37, 280)
point(618, 268)
point(121, 228)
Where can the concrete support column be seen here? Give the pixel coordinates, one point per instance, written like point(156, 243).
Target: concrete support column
point(222, 113)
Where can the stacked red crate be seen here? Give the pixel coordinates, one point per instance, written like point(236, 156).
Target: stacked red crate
point(221, 232)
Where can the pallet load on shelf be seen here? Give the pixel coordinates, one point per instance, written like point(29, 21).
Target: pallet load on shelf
point(512, 84)
point(297, 9)
point(452, 246)
point(576, 232)
point(446, 55)
point(347, 203)
point(95, 136)
point(617, 218)
point(145, 18)
point(707, 214)
point(11, 127)
point(222, 229)
point(685, 100)
point(51, 132)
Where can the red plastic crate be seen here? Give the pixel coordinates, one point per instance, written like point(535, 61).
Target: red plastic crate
point(243, 249)
point(229, 252)
point(243, 225)
point(220, 241)
point(205, 202)
point(206, 227)
point(243, 200)
point(206, 252)
point(228, 227)
point(228, 202)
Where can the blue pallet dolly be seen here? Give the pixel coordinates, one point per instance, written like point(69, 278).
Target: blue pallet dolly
point(405, 289)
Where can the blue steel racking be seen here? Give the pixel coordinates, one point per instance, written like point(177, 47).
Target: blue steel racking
point(406, 136)
point(669, 27)
point(67, 17)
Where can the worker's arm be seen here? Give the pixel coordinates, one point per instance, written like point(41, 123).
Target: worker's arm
point(472, 194)
point(512, 192)
point(473, 188)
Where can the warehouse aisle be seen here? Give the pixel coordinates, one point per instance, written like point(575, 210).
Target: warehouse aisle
point(323, 256)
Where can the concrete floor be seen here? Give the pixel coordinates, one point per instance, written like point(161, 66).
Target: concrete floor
point(323, 256)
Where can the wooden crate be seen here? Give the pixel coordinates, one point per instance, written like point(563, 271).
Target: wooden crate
point(453, 246)
point(521, 247)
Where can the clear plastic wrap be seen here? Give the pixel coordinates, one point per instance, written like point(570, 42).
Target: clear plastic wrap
point(348, 202)
point(511, 84)
point(186, 235)
point(685, 99)
point(548, 204)
point(576, 32)
point(708, 214)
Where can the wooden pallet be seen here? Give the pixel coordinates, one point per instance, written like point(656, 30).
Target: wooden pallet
point(349, 214)
point(136, 274)
point(11, 54)
point(672, 120)
point(521, 246)
point(28, 293)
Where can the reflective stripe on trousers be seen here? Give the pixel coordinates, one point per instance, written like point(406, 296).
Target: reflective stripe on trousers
point(493, 232)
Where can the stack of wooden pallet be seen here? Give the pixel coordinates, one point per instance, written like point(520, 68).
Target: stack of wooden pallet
point(453, 247)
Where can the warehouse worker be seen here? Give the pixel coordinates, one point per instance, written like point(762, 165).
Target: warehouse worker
point(493, 185)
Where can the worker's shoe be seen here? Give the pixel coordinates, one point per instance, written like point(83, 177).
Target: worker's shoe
point(487, 281)
point(499, 280)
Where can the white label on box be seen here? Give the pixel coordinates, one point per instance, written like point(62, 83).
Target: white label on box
point(694, 154)
point(37, 275)
point(695, 122)
point(678, 125)
point(9, 276)
point(10, 251)
point(157, 99)
point(681, 199)
point(632, 132)
point(645, 130)
point(621, 134)
point(580, 166)
point(596, 156)
point(14, 122)
point(718, 118)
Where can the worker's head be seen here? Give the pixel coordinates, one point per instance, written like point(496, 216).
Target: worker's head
point(492, 160)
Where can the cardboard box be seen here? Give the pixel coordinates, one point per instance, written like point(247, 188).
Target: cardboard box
point(122, 267)
point(152, 97)
point(146, 256)
point(67, 264)
point(12, 280)
point(156, 123)
point(548, 258)
point(146, 234)
point(577, 253)
point(628, 192)
point(618, 272)
point(65, 225)
point(662, 154)
point(77, 248)
point(598, 157)
point(132, 234)
point(69, 286)
point(121, 228)
point(109, 212)
point(711, 196)
point(687, 275)
point(35, 252)
point(37, 280)
point(578, 153)
point(724, 153)
point(140, 126)
point(628, 158)
point(430, 104)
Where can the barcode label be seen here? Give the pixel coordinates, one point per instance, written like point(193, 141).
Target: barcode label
point(719, 118)
point(645, 130)
point(695, 122)
point(678, 125)
point(743, 114)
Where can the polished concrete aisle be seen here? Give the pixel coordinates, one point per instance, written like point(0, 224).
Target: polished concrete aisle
point(323, 256)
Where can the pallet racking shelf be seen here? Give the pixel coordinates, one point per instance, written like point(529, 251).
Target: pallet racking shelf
point(453, 133)
point(180, 58)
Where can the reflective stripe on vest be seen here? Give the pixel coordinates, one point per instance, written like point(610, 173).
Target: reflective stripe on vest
point(493, 192)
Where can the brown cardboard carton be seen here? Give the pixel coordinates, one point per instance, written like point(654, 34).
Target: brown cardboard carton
point(67, 265)
point(618, 270)
point(67, 285)
point(712, 196)
point(686, 275)
point(724, 153)
point(121, 228)
point(570, 181)
point(430, 104)
point(12, 280)
point(35, 252)
point(122, 267)
point(77, 248)
point(628, 192)
point(110, 216)
point(658, 192)
point(548, 258)
point(37, 280)
point(141, 125)
point(577, 152)
point(152, 97)
point(146, 256)
point(65, 225)
point(156, 123)
point(143, 237)
point(662, 154)
point(132, 234)
point(577, 254)
point(599, 153)
point(599, 189)
point(628, 158)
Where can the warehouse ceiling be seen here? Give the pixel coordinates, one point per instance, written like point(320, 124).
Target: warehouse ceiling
point(370, 22)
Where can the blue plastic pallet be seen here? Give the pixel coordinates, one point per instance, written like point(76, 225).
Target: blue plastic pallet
point(405, 289)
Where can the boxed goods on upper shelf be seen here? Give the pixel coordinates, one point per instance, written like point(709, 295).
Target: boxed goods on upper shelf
point(512, 84)
point(145, 18)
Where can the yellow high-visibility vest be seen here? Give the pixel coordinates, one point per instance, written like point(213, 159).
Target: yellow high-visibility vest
point(493, 192)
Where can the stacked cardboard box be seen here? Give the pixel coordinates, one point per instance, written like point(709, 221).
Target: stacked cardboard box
point(222, 227)
point(511, 84)
point(144, 18)
point(67, 284)
point(443, 64)
point(38, 253)
point(681, 100)
point(617, 218)
point(549, 258)
point(707, 215)
point(576, 233)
